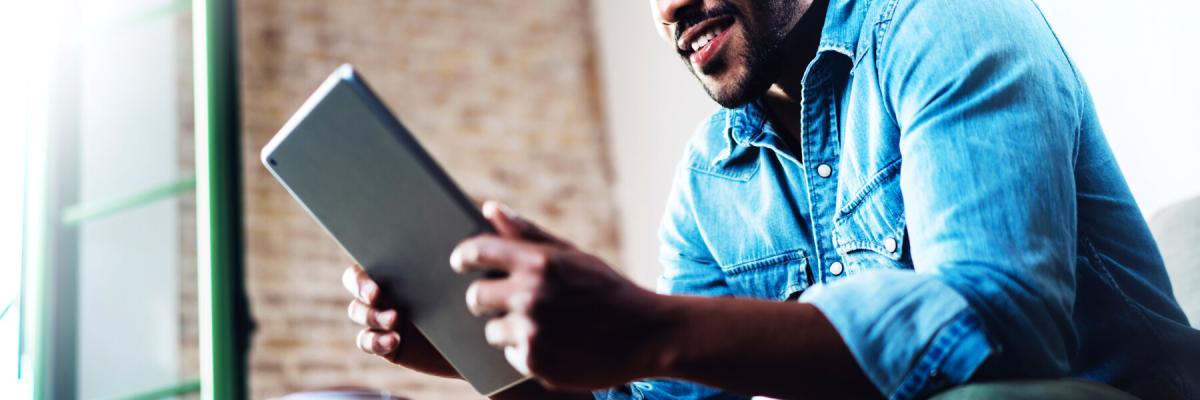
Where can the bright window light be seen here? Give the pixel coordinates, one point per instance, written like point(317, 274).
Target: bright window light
point(29, 39)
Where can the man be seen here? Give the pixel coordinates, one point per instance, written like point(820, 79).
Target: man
point(899, 197)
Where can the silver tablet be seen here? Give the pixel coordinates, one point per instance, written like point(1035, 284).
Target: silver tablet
point(364, 177)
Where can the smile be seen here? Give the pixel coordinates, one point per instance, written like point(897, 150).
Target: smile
point(702, 34)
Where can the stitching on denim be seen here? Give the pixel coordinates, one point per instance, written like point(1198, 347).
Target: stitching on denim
point(1097, 263)
point(896, 233)
point(884, 24)
point(740, 174)
point(934, 355)
point(839, 48)
point(833, 110)
point(725, 172)
point(761, 263)
point(888, 11)
point(889, 170)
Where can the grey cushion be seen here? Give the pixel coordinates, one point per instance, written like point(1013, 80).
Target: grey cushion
point(1177, 231)
point(1062, 389)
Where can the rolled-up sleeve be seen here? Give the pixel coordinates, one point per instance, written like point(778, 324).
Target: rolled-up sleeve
point(987, 105)
point(688, 267)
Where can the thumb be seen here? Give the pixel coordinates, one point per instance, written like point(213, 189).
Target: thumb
point(509, 224)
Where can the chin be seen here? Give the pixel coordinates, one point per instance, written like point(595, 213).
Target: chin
point(739, 75)
point(730, 89)
point(730, 80)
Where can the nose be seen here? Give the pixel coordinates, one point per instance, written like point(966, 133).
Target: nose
point(668, 10)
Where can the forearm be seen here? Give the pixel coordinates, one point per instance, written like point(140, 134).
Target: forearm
point(756, 347)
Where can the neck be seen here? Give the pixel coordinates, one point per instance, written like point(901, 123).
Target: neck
point(800, 48)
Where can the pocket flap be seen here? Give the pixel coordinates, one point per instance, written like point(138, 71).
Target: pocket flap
point(873, 219)
point(776, 277)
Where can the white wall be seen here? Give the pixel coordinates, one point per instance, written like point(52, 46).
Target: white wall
point(1140, 59)
point(652, 104)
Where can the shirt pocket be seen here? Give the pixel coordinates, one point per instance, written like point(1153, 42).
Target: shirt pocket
point(775, 277)
point(869, 230)
point(738, 163)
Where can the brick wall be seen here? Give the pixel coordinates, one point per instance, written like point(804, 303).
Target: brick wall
point(503, 93)
point(189, 329)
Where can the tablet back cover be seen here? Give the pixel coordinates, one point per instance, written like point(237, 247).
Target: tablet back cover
point(363, 176)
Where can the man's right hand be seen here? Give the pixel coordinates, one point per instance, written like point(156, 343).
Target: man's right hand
point(387, 332)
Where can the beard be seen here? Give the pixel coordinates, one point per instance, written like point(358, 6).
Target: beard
point(760, 56)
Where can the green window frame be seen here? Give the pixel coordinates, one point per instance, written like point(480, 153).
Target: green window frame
point(49, 267)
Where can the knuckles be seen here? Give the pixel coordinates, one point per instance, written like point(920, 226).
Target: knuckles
point(537, 262)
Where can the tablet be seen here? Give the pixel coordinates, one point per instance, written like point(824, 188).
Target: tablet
point(348, 161)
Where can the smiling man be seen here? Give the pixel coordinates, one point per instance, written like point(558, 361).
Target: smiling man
point(897, 198)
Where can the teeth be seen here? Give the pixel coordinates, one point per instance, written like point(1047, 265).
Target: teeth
point(703, 40)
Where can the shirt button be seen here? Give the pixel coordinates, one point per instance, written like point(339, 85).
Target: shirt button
point(890, 245)
point(824, 170)
point(835, 268)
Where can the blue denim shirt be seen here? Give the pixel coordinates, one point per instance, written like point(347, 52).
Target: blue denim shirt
point(952, 207)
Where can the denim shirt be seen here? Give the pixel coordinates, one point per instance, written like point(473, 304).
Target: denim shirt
point(951, 206)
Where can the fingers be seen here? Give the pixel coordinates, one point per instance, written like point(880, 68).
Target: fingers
point(518, 357)
point(510, 333)
point(505, 220)
point(489, 252)
point(379, 343)
point(359, 284)
point(373, 318)
point(511, 330)
point(495, 297)
point(509, 224)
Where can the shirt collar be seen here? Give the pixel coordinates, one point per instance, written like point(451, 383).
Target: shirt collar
point(844, 26)
point(745, 124)
point(844, 19)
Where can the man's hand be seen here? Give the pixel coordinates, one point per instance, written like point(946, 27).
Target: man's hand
point(573, 323)
point(388, 333)
point(560, 314)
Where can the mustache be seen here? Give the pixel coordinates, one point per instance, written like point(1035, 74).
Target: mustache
point(691, 17)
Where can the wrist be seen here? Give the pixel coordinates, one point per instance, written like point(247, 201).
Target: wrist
point(664, 335)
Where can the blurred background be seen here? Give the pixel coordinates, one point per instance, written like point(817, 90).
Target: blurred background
point(147, 254)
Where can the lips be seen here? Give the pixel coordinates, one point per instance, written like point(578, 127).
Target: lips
point(704, 39)
point(701, 41)
point(700, 58)
point(707, 29)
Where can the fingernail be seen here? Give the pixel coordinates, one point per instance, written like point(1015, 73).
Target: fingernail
point(386, 342)
point(508, 212)
point(490, 208)
point(492, 333)
point(387, 318)
point(360, 341)
point(456, 260)
point(366, 290)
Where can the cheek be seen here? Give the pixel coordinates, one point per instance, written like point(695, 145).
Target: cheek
point(734, 55)
point(663, 30)
point(667, 40)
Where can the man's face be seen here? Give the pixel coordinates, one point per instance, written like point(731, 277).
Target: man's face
point(732, 46)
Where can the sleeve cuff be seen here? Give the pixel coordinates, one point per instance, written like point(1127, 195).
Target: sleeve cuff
point(610, 394)
point(911, 333)
point(664, 389)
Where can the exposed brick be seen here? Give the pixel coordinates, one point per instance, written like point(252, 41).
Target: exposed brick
point(502, 93)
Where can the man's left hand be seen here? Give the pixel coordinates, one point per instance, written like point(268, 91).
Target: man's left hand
point(561, 315)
